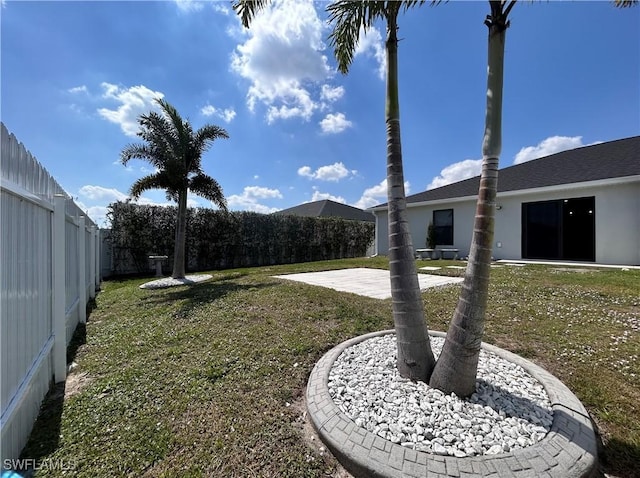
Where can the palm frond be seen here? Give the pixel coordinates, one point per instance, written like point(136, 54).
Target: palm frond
point(152, 181)
point(247, 9)
point(135, 151)
point(347, 17)
point(182, 131)
point(407, 4)
point(160, 137)
point(207, 187)
point(625, 3)
point(206, 135)
point(156, 127)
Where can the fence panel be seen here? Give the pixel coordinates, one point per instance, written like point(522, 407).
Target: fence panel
point(87, 265)
point(28, 318)
point(72, 277)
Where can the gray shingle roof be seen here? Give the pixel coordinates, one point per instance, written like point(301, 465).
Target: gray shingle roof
point(327, 208)
point(614, 159)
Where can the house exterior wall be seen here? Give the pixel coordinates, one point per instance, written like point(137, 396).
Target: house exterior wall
point(618, 225)
point(419, 218)
point(617, 220)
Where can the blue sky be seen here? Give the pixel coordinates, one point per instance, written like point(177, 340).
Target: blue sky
point(75, 76)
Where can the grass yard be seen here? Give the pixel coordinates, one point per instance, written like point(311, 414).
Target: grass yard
point(208, 380)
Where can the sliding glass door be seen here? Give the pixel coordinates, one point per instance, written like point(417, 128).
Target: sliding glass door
point(563, 229)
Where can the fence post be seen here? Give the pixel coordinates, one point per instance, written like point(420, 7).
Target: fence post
point(59, 290)
point(82, 269)
point(97, 258)
point(92, 263)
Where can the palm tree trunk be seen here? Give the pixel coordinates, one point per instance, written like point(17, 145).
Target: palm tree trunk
point(181, 236)
point(457, 365)
point(415, 359)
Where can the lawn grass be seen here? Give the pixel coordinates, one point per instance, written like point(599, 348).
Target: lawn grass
point(208, 379)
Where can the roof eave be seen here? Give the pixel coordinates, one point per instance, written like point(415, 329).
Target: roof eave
point(523, 192)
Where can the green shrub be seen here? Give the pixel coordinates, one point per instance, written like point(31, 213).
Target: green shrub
point(219, 240)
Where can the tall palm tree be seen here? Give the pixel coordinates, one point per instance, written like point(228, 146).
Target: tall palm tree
point(348, 18)
point(175, 150)
point(457, 365)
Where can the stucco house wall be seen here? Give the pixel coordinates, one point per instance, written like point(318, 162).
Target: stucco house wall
point(419, 218)
point(617, 219)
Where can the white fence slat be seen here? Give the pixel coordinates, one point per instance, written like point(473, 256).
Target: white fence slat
point(59, 299)
point(82, 281)
point(92, 270)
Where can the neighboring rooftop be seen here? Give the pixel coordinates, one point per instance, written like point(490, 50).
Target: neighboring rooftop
point(613, 159)
point(327, 208)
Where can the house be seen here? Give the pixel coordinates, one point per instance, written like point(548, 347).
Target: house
point(327, 208)
point(577, 205)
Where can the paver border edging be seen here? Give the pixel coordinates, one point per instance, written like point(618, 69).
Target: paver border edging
point(568, 451)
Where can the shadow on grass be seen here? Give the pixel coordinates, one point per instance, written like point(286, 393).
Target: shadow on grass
point(199, 294)
point(619, 458)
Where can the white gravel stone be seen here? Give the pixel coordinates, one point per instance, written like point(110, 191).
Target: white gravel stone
point(510, 409)
point(171, 282)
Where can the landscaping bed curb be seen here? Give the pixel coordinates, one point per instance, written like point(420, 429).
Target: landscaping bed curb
point(568, 451)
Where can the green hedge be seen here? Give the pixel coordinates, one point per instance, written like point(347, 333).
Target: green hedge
point(218, 240)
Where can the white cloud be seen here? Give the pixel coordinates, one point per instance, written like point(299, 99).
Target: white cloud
point(97, 214)
point(281, 57)
point(220, 8)
point(457, 172)
point(318, 196)
point(78, 89)
point(335, 123)
point(99, 193)
point(371, 45)
point(330, 93)
point(249, 199)
point(332, 172)
point(306, 172)
point(226, 114)
point(146, 170)
point(135, 101)
point(189, 5)
point(551, 145)
point(105, 196)
point(377, 194)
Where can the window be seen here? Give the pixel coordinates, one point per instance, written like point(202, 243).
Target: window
point(443, 225)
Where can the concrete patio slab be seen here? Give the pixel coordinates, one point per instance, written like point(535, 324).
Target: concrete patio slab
point(373, 283)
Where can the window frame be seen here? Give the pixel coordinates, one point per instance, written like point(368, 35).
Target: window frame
point(443, 231)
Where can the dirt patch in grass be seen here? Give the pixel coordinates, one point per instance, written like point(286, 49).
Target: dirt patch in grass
point(75, 383)
point(313, 441)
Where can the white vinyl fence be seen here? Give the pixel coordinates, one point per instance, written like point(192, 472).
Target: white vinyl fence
point(49, 270)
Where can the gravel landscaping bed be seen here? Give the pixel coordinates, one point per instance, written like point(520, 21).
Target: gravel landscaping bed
point(510, 409)
point(171, 282)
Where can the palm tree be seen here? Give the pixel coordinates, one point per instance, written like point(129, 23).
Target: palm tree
point(457, 365)
point(175, 150)
point(348, 18)
point(414, 356)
